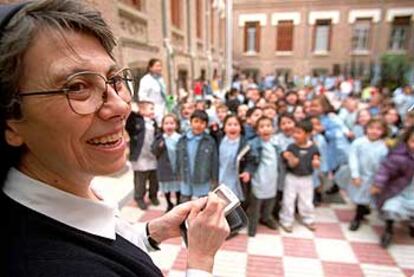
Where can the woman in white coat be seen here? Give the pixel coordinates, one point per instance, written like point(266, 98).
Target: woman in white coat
point(152, 88)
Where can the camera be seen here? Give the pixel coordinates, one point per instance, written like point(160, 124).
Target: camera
point(234, 213)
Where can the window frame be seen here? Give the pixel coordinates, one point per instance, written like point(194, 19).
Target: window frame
point(285, 28)
point(256, 25)
point(318, 23)
point(356, 35)
point(402, 23)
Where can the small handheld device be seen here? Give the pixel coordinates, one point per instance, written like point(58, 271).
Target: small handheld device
point(235, 215)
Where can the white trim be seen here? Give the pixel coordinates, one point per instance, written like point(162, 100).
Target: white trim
point(391, 13)
point(261, 17)
point(333, 15)
point(284, 53)
point(321, 53)
point(374, 14)
point(276, 17)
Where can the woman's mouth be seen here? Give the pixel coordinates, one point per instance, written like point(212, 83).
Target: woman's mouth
point(107, 141)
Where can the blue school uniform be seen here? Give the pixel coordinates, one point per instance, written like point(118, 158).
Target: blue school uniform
point(365, 157)
point(282, 141)
point(338, 144)
point(171, 144)
point(401, 206)
point(228, 173)
point(264, 181)
point(322, 145)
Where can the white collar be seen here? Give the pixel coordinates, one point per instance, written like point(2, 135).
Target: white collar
point(94, 217)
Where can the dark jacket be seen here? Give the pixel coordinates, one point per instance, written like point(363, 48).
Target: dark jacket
point(165, 172)
point(394, 174)
point(206, 161)
point(135, 126)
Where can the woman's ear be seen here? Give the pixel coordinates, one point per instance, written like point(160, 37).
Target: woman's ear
point(12, 134)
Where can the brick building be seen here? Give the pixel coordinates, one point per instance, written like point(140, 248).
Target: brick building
point(300, 37)
point(187, 35)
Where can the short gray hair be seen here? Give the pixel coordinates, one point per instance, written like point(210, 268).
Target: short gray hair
point(15, 40)
point(59, 15)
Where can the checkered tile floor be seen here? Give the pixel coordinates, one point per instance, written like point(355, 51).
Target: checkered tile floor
point(332, 250)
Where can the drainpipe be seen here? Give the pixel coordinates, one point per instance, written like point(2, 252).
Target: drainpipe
point(169, 51)
point(208, 35)
point(190, 41)
point(229, 43)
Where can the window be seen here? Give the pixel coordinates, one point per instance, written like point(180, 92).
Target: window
point(176, 13)
point(322, 36)
point(199, 18)
point(400, 33)
point(252, 37)
point(284, 41)
point(361, 35)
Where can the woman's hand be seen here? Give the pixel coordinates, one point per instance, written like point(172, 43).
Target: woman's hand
point(168, 225)
point(207, 230)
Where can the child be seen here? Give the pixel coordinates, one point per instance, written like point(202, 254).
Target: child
point(230, 172)
point(363, 116)
point(348, 112)
point(242, 111)
point(299, 113)
point(197, 162)
point(394, 186)
point(292, 100)
point(164, 148)
point(264, 180)
point(141, 128)
point(336, 134)
point(393, 120)
point(187, 109)
point(320, 175)
point(252, 115)
point(365, 156)
point(283, 138)
point(302, 157)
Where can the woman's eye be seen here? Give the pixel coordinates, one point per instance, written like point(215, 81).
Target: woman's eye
point(76, 87)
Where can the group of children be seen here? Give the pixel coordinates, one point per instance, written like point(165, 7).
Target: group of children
point(276, 151)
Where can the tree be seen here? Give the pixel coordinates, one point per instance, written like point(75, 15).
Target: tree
point(394, 70)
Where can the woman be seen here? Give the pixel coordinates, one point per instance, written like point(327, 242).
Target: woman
point(63, 106)
point(152, 88)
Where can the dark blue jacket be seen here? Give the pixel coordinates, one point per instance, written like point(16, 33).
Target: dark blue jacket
point(206, 161)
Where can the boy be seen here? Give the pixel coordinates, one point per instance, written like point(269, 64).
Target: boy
point(141, 128)
point(252, 115)
point(302, 157)
point(264, 181)
point(186, 110)
point(197, 161)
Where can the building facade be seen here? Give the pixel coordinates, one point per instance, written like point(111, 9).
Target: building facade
point(305, 37)
point(186, 35)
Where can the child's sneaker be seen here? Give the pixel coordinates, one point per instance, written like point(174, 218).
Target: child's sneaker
point(310, 226)
point(286, 228)
point(270, 223)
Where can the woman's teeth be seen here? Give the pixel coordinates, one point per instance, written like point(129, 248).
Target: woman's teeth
point(111, 139)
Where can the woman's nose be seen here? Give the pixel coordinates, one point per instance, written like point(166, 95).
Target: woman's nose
point(114, 105)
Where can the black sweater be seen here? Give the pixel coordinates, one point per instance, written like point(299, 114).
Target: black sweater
point(35, 245)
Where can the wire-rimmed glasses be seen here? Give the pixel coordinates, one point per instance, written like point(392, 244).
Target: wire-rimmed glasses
point(87, 91)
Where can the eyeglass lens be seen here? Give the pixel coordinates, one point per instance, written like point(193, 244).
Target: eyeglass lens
point(87, 91)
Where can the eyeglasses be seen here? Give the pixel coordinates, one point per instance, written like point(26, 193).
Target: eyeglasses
point(87, 91)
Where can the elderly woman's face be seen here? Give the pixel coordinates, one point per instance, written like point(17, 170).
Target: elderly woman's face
point(60, 142)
